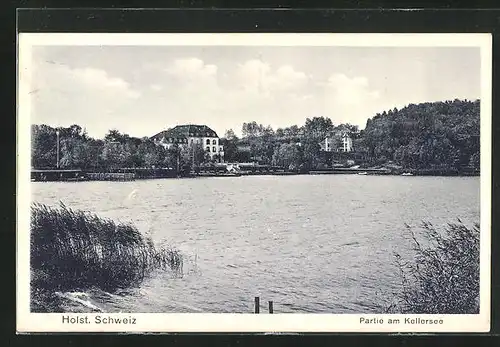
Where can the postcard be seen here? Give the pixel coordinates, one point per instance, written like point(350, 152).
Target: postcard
point(253, 182)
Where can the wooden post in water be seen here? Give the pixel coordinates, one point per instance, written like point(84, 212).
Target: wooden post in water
point(257, 304)
point(271, 310)
point(57, 148)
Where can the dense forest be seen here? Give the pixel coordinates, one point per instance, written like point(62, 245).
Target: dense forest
point(439, 135)
point(429, 136)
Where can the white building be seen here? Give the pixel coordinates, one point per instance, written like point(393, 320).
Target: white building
point(346, 143)
point(338, 142)
point(188, 135)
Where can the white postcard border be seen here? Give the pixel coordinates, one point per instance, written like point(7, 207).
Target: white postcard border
point(210, 322)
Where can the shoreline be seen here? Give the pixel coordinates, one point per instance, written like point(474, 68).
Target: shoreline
point(224, 175)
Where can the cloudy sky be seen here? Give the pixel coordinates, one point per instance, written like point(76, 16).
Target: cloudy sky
point(142, 90)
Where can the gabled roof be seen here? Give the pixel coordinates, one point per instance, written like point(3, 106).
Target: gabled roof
point(184, 131)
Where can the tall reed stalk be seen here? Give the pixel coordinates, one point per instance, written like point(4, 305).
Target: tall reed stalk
point(443, 276)
point(76, 250)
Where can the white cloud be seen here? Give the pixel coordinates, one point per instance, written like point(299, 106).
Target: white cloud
point(67, 79)
point(191, 90)
point(86, 95)
point(287, 77)
point(156, 87)
point(230, 95)
point(99, 79)
point(197, 91)
point(258, 76)
point(350, 91)
point(222, 87)
point(253, 75)
point(192, 70)
point(350, 99)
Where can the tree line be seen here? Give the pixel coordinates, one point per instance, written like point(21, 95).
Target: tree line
point(432, 136)
point(438, 135)
point(295, 147)
point(115, 151)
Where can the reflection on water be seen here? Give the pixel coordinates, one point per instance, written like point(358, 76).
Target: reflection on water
point(309, 243)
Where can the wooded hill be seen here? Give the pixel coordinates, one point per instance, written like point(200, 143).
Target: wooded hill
point(437, 135)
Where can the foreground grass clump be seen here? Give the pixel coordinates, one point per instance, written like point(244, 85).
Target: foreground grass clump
point(75, 250)
point(443, 277)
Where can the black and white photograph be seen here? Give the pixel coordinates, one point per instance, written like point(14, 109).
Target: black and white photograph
point(273, 178)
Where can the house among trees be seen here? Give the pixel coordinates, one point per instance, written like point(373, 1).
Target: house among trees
point(337, 141)
point(428, 138)
point(189, 136)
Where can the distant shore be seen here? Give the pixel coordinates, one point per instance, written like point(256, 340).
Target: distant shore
point(80, 175)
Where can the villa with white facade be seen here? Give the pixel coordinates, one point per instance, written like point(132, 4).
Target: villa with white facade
point(190, 134)
point(337, 142)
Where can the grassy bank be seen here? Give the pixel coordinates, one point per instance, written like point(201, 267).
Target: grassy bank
point(76, 251)
point(443, 275)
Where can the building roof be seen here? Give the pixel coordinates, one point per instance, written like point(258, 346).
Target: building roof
point(184, 131)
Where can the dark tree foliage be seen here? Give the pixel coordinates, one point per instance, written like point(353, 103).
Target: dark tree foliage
point(44, 146)
point(79, 151)
point(318, 128)
point(288, 156)
point(439, 135)
point(230, 149)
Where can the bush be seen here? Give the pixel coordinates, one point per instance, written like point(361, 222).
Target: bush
point(444, 276)
point(75, 250)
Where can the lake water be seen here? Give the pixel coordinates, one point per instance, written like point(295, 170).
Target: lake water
point(311, 243)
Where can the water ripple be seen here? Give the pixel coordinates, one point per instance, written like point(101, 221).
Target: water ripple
point(309, 243)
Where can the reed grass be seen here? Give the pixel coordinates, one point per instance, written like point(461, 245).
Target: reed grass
point(77, 250)
point(443, 276)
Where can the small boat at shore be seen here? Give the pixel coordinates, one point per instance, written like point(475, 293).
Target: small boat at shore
point(406, 174)
point(363, 173)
